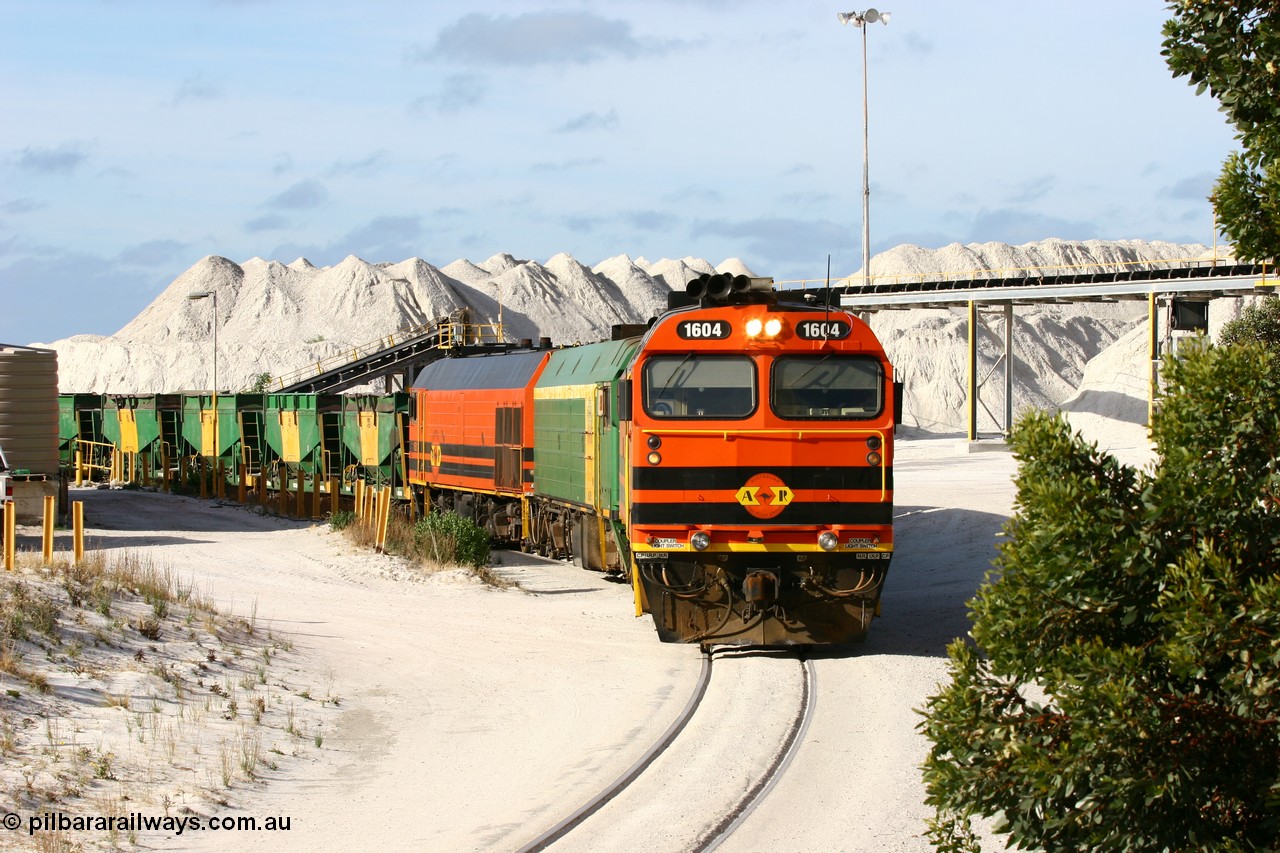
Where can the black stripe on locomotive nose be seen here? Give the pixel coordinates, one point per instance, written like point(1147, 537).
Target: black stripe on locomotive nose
point(733, 513)
point(796, 477)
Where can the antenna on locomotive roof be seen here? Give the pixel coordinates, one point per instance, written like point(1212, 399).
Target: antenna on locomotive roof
point(828, 294)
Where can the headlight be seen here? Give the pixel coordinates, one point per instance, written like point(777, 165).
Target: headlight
point(828, 541)
point(772, 326)
point(700, 541)
point(754, 325)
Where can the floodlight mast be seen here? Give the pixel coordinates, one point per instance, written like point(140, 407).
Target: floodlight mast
point(860, 20)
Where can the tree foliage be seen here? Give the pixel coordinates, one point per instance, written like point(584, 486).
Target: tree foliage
point(1232, 49)
point(261, 383)
point(1124, 694)
point(1259, 322)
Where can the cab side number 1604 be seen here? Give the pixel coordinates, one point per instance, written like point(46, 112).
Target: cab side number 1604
point(703, 330)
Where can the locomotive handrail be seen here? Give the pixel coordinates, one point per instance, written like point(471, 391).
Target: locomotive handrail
point(799, 433)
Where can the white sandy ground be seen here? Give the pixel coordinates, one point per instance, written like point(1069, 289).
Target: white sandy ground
point(473, 719)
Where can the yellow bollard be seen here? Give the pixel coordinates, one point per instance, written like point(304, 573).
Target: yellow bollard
point(302, 493)
point(10, 535)
point(335, 495)
point(384, 516)
point(77, 530)
point(79, 469)
point(240, 483)
point(357, 493)
point(46, 539)
point(317, 486)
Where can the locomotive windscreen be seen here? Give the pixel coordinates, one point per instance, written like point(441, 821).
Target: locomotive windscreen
point(699, 386)
point(828, 386)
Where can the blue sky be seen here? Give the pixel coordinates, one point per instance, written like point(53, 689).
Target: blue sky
point(140, 136)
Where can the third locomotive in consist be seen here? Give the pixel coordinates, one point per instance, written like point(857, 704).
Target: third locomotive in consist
point(733, 460)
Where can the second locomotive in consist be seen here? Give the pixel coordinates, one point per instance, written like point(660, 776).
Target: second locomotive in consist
point(734, 460)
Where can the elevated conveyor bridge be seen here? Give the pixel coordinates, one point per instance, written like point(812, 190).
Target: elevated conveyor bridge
point(1170, 283)
point(395, 357)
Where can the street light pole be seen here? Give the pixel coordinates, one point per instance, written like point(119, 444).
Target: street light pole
point(860, 20)
point(206, 294)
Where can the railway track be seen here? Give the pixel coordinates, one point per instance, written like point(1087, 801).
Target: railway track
point(712, 766)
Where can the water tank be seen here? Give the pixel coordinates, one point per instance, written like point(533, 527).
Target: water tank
point(29, 408)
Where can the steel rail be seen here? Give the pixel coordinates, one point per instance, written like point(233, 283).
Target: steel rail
point(753, 798)
point(594, 804)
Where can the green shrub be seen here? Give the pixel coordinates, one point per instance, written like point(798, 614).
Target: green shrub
point(24, 608)
point(261, 383)
point(450, 539)
point(342, 519)
point(1124, 691)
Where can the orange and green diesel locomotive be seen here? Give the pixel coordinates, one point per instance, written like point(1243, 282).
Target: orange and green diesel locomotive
point(733, 460)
